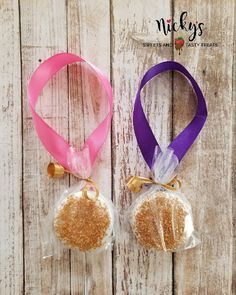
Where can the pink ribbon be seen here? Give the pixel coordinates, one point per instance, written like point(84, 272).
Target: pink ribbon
point(76, 161)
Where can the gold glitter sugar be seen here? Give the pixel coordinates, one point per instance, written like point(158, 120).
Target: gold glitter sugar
point(159, 222)
point(82, 222)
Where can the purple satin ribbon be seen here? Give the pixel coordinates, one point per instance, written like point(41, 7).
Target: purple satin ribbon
point(145, 137)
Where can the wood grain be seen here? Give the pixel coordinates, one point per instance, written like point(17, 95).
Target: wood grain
point(137, 271)
point(43, 33)
point(11, 233)
point(206, 170)
point(89, 35)
point(111, 35)
point(234, 162)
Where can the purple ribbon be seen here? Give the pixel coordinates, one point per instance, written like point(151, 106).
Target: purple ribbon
point(145, 137)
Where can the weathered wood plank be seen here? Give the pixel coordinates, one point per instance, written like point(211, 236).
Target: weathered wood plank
point(206, 170)
point(11, 230)
point(234, 162)
point(137, 271)
point(43, 33)
point(89, 35)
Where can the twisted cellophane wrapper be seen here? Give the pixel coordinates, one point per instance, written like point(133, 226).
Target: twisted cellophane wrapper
point(161, 218)
point(79, 162)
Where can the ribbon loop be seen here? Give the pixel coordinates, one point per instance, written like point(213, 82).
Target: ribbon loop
point(143, 132)
point(55, 144)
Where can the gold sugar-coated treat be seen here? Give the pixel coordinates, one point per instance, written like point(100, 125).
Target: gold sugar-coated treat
point(82, 222)
point(159, 222)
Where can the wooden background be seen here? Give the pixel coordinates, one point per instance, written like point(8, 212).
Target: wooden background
point(111, 33)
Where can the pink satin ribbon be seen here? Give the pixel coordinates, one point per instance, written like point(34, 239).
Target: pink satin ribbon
point(55, 144)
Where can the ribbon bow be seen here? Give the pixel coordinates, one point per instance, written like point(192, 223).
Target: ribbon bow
point(56, 170)
point(135, 183)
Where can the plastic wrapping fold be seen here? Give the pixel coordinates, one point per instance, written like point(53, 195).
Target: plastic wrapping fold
point(164, 166)
point(82, 219)
point(79, 162)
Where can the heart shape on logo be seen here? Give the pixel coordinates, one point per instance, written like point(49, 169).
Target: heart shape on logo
point(168, 21)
